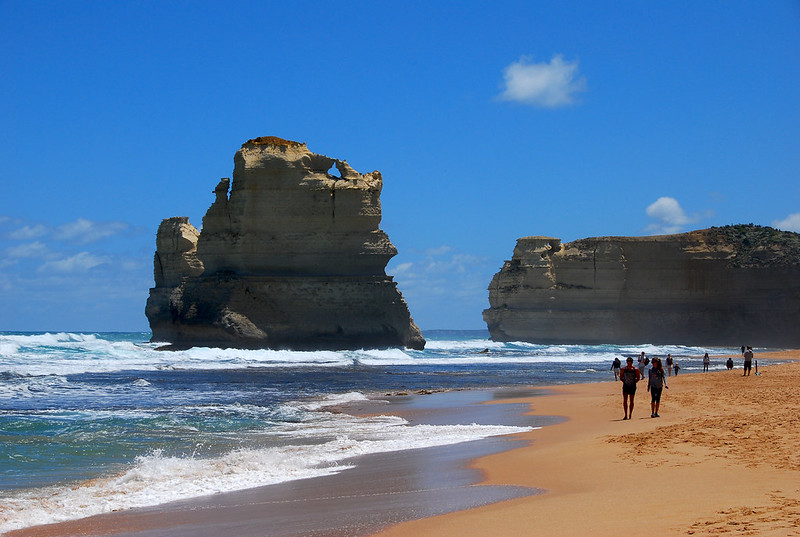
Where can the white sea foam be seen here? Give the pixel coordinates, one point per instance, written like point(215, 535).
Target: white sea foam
point(466, 345)
point(156, 479)
point(8, 348)
point(67, 353)
point(335, 399)
point(663, 350)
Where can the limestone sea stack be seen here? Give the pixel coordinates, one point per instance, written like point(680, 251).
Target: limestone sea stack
point(290, 256)
point(723, 286)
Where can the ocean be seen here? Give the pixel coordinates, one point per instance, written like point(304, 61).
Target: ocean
point(97, 422)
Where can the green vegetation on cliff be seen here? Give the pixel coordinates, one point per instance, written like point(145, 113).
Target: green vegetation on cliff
point(757, 246)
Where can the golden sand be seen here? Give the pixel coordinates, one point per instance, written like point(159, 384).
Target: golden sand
point(723, 459)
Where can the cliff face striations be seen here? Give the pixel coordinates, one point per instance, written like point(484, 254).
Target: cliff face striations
point(723, 286)
point(292, 257)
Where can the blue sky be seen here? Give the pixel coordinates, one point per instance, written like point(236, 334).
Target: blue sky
point(489, 121)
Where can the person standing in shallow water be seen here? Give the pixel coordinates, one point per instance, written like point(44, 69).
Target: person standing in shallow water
point(615, 366)
point(630, 376)
point(656, 382)
point(706, 362)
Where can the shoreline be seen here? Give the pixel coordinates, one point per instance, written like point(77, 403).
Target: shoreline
point(382, 489)
point(720, 461)
point(567, 478)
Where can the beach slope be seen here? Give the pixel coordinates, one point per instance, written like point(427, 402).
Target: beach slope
point(721, 460)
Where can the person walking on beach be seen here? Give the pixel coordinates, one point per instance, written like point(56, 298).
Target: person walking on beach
point(748, 361)
point(706, 362)
point(641, 365)
point(677, 368)
point(615, 366)
point(669, 365)
point(630, 376)
point(656, 382)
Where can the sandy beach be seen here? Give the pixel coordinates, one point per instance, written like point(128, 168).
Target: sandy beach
point(721, 460)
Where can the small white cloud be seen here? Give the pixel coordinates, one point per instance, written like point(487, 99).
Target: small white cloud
point(85, 231)
point(80, 262)
point(669, 216)
point(442, 270)
point(130, 264)
point(790, 223)
point(402, 268)
point(457, 263)
point(439, 250)
point(548, 85)
point(28, 250)
point(27, 233)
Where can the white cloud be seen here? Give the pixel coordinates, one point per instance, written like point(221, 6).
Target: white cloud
point(85, 231)
point(129, 264)
point(442, 271)
point(28, 250)
point(402, 268)
point(80, 262)
point(81, 231)
point(28, 232)
point(547, 85)
point(457, 263)
point(439, 250)
point(790, 223)
point(669, 216)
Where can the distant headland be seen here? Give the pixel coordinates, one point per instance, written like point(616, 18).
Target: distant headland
point(724, 286)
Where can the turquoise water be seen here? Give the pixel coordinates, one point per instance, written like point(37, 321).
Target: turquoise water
point(135, 426)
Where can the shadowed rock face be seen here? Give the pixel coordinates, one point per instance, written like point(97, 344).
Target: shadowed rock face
point(720, 286)
point(291, 257)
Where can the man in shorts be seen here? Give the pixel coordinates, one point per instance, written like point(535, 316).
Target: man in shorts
point(748, 361)
point(630, 376)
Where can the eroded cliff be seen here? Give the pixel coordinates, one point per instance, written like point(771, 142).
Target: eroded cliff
point(725, 286)
point(290, 255)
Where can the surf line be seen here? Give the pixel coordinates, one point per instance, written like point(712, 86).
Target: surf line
point(344, 496)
